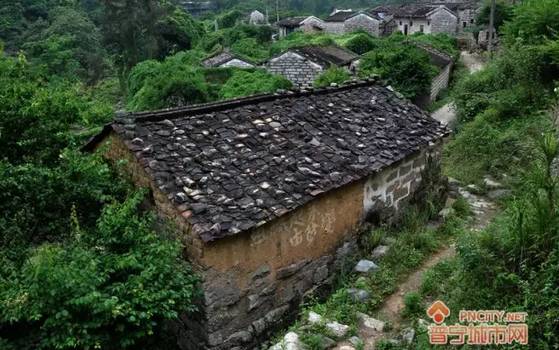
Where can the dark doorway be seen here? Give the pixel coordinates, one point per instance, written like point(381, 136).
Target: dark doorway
point(405, 29)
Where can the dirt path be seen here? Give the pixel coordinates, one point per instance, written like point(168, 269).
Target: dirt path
point(447, 113)
point(391, 310)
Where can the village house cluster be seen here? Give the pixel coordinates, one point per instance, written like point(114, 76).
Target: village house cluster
point(429, 18)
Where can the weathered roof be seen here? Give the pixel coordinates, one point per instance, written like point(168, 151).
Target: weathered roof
point(340, 16)
point(235, 165)
point(220, 58)
point(327, 56)
point(409, 10)
point(291, 22)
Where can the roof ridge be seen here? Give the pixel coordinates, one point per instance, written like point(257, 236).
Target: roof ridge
point(170, 113)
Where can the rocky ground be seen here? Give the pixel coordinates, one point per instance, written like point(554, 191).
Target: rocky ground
point(371, 330)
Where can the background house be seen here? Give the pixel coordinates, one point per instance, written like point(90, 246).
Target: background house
point(302, 65)
point(225, 58)
point(268, 193)
point(308, 24)
point(347, 21)
point(257, 17)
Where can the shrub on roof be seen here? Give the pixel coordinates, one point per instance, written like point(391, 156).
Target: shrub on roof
point(244, 83)
point(361, 43)
point(332, 75)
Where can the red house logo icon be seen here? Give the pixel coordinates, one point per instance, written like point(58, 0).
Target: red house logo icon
point(438, 312)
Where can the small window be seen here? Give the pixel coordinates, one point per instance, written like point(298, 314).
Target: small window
point(472, 21)
point(421, 28)
point(464, 24)
point(487, 36)
point(400, 22)
point(428, 23)
point(411, 23)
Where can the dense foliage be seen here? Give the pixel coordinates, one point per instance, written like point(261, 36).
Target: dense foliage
point(506, 131)
point(331, 76)
point(244, 83)
point(406, 67)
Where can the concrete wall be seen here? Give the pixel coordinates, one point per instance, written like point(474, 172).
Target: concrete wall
point(296, 68)
point(254, 282)
point(363, 22)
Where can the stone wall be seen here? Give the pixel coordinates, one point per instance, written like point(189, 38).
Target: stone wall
point(254, 282)
point(333, 27)
point(363, 22)
point(443, 21)
point(440, 82)
point(296, 68)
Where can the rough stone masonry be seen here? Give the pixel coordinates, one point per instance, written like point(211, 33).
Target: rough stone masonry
point(268, 192)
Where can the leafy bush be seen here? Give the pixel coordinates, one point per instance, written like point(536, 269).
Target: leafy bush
point(110, 287)
point(361, 43)
point(337, 75)
point(412, 305)
point(250, 48)
point(534, 22)
point(244, 83)
point(173, 84)
point(407, 68)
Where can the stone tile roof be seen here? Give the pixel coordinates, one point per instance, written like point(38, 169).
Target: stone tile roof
point(407, 10)
point(235, 165)
point(291, 22)
point(326, 56)
point(340, 16)
point(220, 58)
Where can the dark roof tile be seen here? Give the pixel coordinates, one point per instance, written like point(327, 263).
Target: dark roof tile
point(234, 165)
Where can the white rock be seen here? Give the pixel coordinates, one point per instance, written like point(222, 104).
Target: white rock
point(337, 329)
point(366, 266)
point(346, 347)
point(380, 251)
point(356, 341)
point(491, 184)
point(367, 321)
point(314, 318)
point(359, 295)
point(408, 335)
point(446, 212)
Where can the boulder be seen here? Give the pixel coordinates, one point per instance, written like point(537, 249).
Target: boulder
point(314, 318)
point(290, 342)
point(356, 341)
point(366, 266)
point(446, 212)
point(370, 323)
point(491, 184)
point(337, 329)
point(326, 343)
point(380, 251)
point(408, 335)
point(359, 295)
point(498, 194)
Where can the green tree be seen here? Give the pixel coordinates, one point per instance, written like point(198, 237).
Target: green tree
point(534, 22)
point(70, 46)
point(111, 287)
point(361, 43)
point(503, 12)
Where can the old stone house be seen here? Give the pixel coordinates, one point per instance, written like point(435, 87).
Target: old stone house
point(308, 24)
point(347, 21)
point(302, 65)
point(267, 192)
point(257, 17)
point(225, 58)
point(421, 18)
